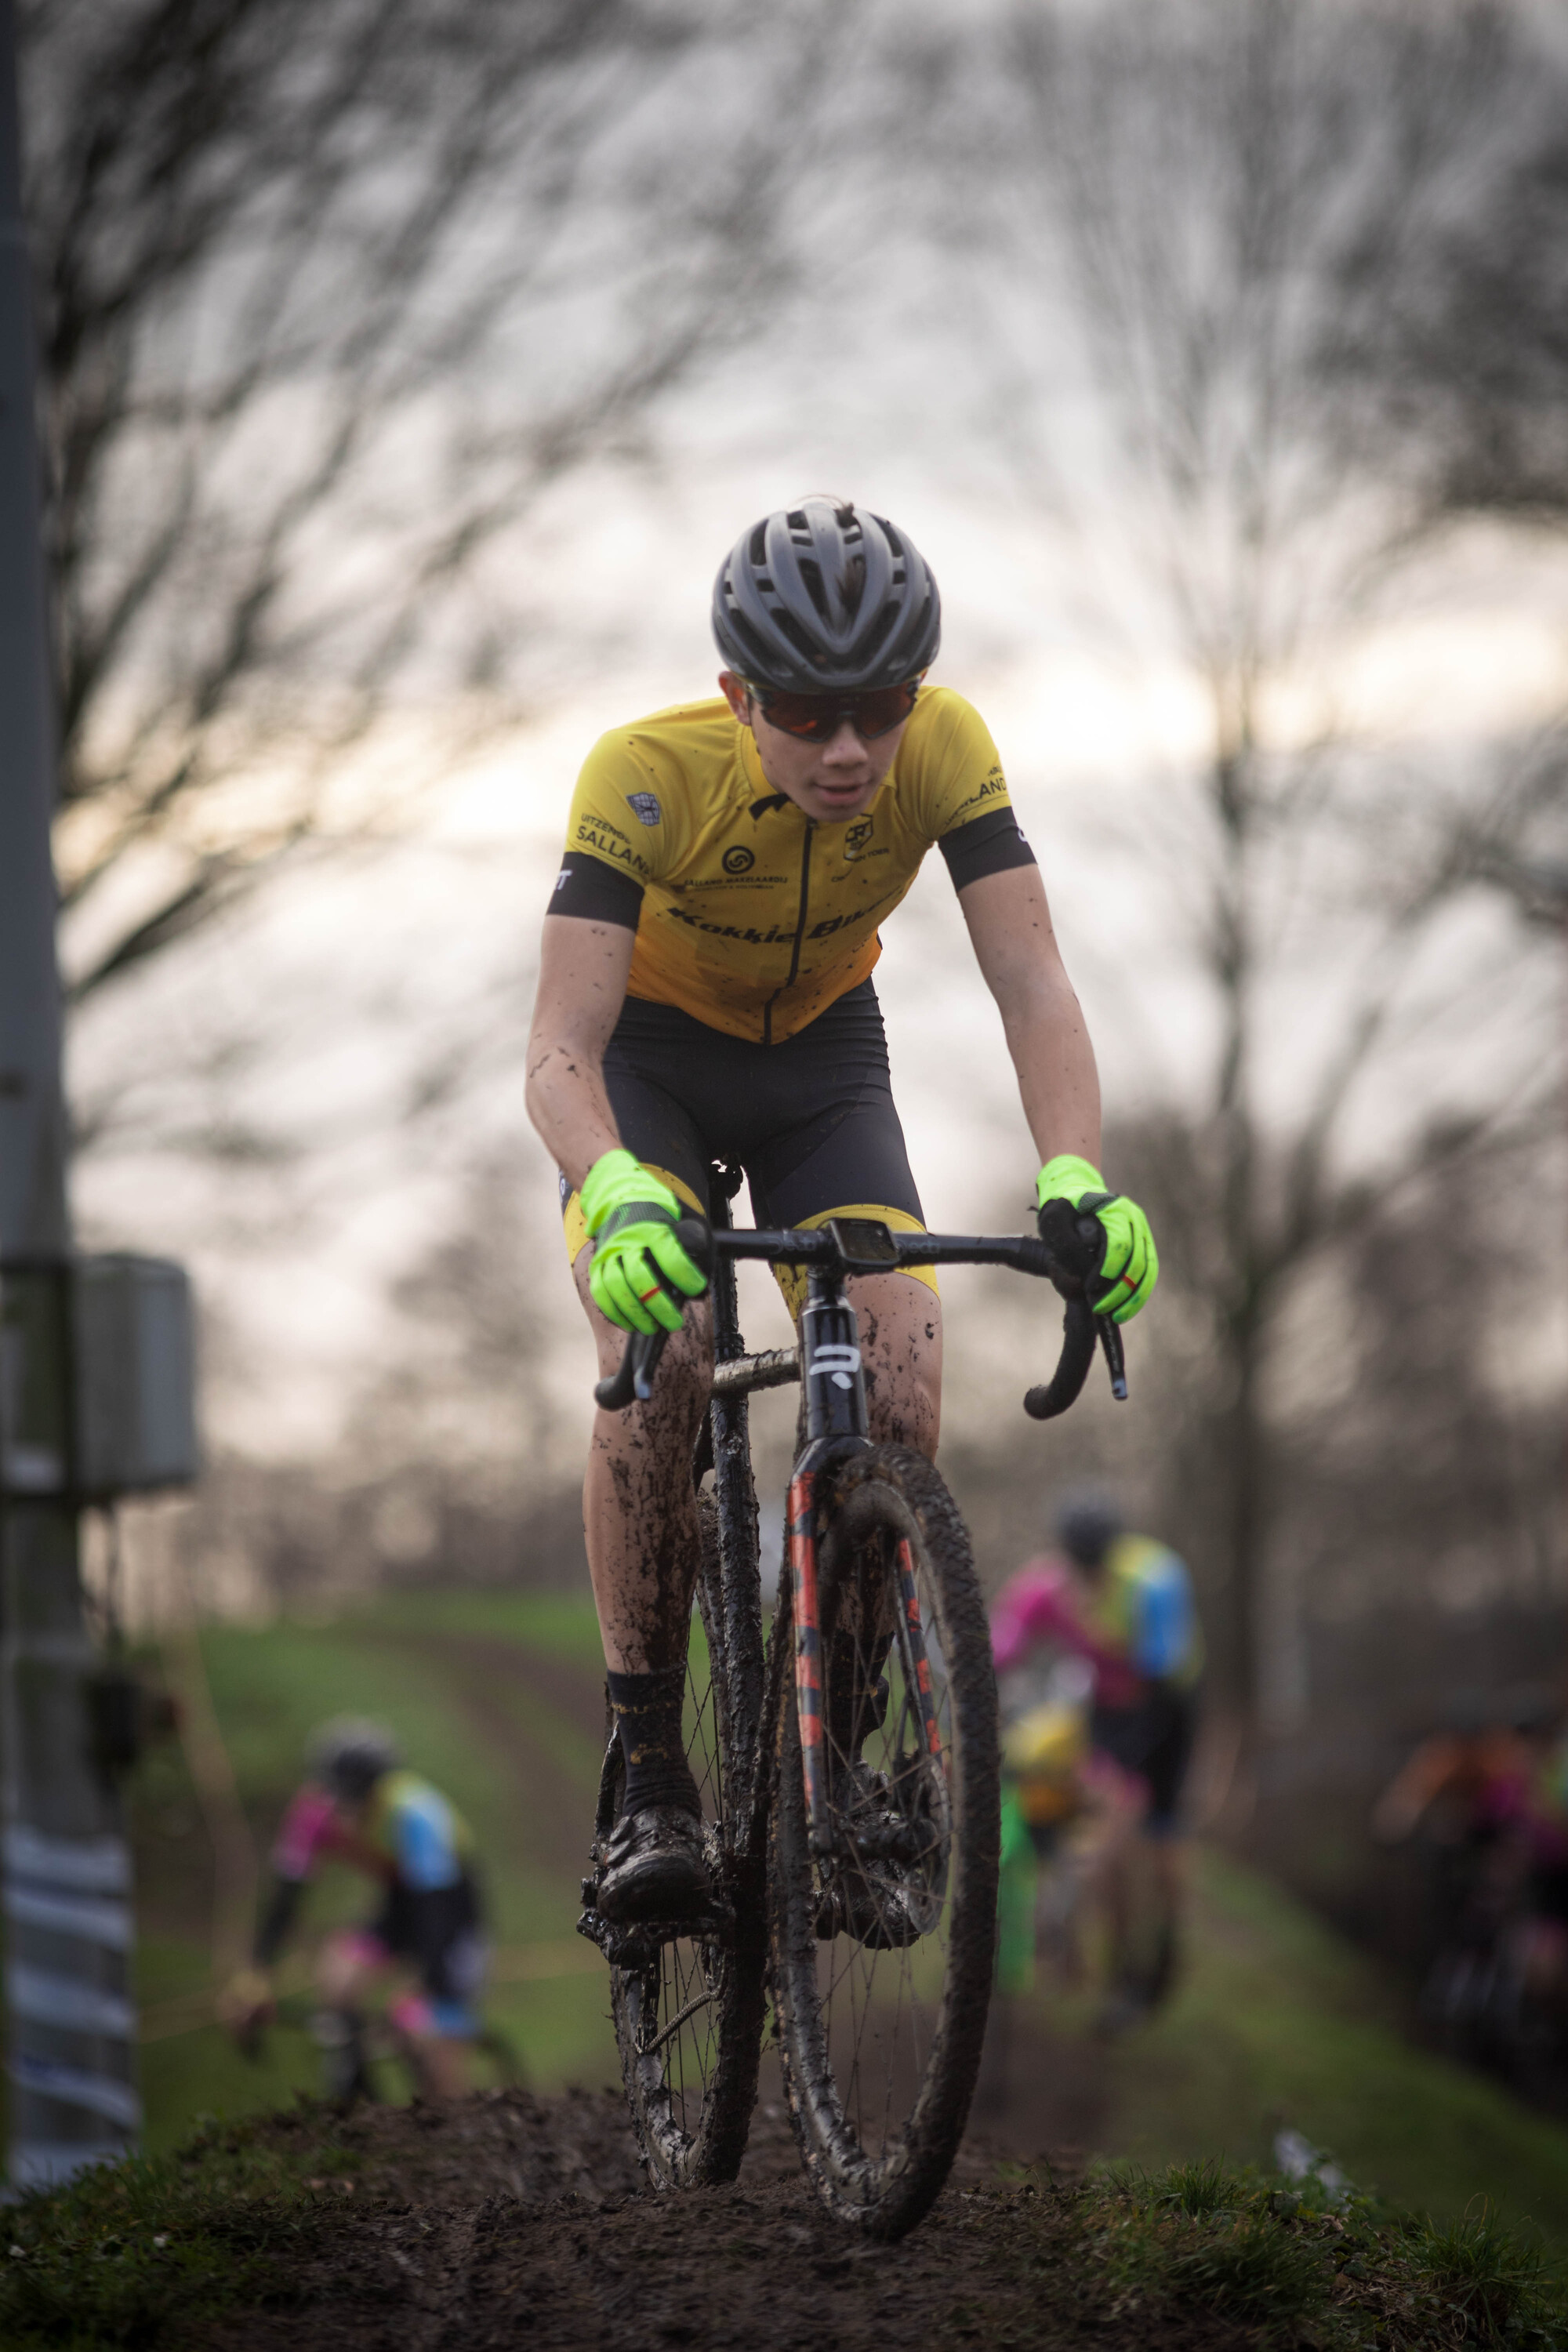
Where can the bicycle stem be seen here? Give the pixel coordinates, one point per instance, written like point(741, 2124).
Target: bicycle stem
point(830, 1366)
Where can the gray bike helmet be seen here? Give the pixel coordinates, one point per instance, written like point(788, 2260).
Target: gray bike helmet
point(349, 1756)
point(1087, 1523)
point(818, 597)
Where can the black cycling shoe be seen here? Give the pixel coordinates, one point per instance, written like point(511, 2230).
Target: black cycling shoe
point(655, 1868)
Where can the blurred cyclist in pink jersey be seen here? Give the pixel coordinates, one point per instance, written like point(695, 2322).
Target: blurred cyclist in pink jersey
point(359, 1806)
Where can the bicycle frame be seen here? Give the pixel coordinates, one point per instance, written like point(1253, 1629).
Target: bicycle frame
point(827, 1364)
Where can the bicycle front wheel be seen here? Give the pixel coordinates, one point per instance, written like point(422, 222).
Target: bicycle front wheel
point(882, 1893)
point(689, 2011)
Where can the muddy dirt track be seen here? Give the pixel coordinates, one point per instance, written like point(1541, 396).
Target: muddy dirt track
point(516, 2221)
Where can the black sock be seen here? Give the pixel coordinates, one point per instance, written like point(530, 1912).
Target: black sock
point(648, 1710)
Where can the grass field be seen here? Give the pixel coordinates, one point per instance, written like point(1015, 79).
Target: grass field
point(497, 1699)
point(497, 1696)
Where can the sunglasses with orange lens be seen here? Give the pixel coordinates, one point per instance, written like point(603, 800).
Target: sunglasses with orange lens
point(816, 717)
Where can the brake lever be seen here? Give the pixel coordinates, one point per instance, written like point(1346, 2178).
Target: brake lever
point(1076, 1242)
point(1115, 1356)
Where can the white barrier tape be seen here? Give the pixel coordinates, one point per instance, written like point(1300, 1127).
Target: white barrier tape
point(46, 2163)
point(48, 1999)
point(98, 1866)
point(74, 2087)
point(95, 1923)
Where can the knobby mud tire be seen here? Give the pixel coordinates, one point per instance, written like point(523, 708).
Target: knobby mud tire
point(887, 2187)
point(692, 2100)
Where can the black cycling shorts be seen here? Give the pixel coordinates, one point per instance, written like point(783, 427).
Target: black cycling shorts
point(438, 1930)
point(811, 1120)
point(1152, 1740)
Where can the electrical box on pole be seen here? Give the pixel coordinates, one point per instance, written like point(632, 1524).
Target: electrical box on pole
point(95, 1396)
point(134, 1375)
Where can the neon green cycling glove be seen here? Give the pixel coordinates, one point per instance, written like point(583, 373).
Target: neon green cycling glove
point(1132, 1265)
point(639, 1264)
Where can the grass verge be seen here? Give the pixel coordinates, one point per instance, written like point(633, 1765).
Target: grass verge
point(134, 2255)
point(1299, 2267)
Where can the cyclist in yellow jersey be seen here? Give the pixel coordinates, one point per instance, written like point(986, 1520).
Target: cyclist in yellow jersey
point(754, 917)
point(705, 993)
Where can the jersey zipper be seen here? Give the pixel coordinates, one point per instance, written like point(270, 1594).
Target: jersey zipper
point(799, 936)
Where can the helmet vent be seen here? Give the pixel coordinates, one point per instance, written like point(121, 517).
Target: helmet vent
point(894, 542)
point(881, 627)
point(811, 573)
point(800, 638)
point(755, 644)
point(759, 547)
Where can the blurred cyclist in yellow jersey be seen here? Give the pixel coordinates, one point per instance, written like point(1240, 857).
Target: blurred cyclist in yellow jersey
point(705, 994)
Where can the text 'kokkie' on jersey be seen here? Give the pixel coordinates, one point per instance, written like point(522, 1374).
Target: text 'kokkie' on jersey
point(750, 915)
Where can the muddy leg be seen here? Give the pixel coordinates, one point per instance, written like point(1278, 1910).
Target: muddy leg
point(901, 1353)
point(639, 1509)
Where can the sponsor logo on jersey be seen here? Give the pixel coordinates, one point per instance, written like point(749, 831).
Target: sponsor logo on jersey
point(738, 860)
point(605, 841)
point(857, 835)
point(645, 807)
point(776, 937)
point(995, 783)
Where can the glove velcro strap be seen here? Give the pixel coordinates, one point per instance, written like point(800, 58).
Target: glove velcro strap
point(636, 1213)
point(1090, 1204)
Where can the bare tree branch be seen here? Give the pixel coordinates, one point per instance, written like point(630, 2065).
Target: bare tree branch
point(332, 290)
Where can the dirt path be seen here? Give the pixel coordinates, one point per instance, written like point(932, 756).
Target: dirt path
point(511, 2221)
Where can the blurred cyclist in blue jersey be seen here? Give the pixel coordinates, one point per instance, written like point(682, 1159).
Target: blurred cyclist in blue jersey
point(1124, 1603)
point(359, 1806)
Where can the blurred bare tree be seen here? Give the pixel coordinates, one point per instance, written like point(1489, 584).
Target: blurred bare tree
point(330, 290)
point(1226, 203)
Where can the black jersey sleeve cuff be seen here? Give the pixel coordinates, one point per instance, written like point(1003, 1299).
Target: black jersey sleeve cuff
point(988, 843)
point(586, 885)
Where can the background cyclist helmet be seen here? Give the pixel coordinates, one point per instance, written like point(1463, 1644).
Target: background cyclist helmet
point(818, 598)
point(349, 1756)
point(1088, 1523)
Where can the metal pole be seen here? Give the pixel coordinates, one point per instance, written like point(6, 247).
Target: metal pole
point(65, 1870)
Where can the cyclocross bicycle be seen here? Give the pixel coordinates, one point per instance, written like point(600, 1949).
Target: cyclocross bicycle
point(849, 1772)
point(367, 2055)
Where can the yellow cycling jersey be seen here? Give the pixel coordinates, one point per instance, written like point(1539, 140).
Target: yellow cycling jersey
point(754, 917)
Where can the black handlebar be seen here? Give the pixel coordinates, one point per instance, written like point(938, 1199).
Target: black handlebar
point(1067, 1252)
